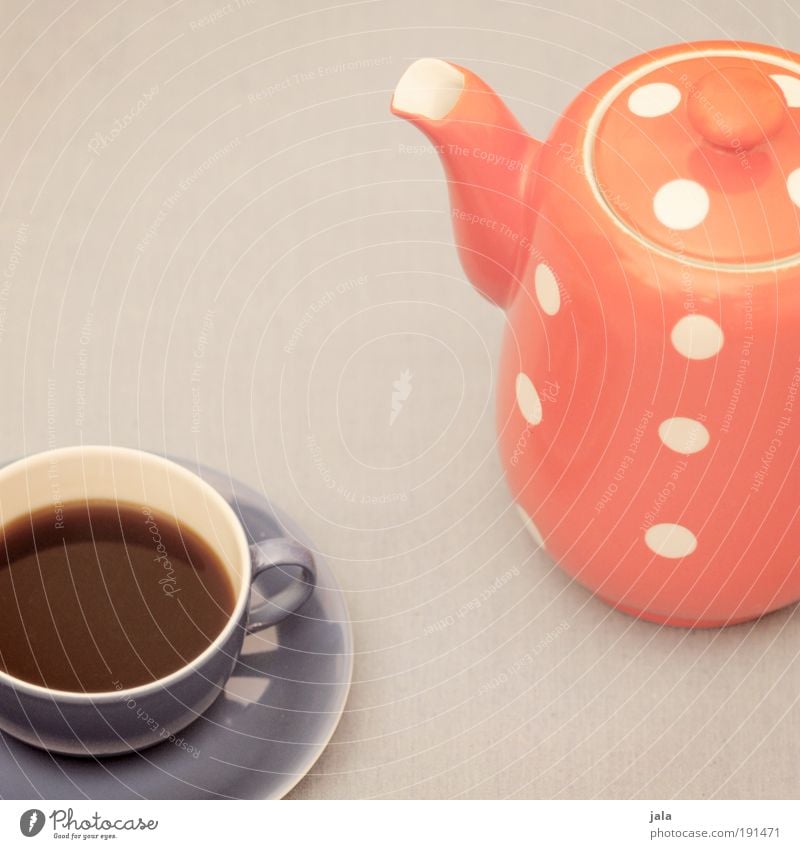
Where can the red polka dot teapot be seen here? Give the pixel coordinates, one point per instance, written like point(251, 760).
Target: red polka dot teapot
point(648, 257)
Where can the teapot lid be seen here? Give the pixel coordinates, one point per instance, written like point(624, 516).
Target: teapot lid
point(698, 155)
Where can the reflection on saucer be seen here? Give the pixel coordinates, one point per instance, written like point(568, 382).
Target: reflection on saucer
point(250, 680)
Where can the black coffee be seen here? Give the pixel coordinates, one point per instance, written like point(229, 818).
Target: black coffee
point(105, 596)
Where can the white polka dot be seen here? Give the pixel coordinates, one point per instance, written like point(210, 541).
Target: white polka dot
point(697, 337)
point(654, 99)
point(681, 204)
point(790, 86)
point(532, 529)
point(686, 436)
point(528, 399)
point(670, 540)
point(793, 184)
point(547, 289)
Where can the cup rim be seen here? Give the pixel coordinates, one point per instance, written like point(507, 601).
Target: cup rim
point(141, 690)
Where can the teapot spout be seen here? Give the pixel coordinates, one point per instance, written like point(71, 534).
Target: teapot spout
point(489, 161)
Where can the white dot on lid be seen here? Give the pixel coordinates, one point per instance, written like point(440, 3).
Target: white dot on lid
point(532, 529)
point(668, 540)
point(697, 337)
point(547, 289)
point(790, 86)
point(528, 399)
point(654, 99)
point(793, 185)
point(681, 204)
point(686, 436)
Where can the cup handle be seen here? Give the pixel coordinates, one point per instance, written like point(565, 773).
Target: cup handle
point(273, 553)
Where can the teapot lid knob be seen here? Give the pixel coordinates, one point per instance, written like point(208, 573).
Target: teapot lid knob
point(736, 107)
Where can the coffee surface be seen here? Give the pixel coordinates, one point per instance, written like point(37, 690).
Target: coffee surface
point(104, 596)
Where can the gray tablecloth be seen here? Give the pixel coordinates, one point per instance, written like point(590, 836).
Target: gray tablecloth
point(216, 242)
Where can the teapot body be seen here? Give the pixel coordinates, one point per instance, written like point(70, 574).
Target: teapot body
point(665, 484)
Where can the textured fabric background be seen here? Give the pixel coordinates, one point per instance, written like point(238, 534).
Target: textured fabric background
point(215, 241)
